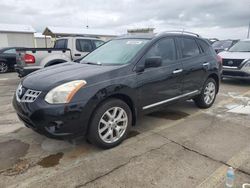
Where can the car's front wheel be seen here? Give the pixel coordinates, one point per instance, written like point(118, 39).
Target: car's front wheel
point(3, 67)
point(110, 123)
point(208, 94)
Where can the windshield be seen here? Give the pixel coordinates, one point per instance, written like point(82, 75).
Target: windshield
point(115, 52)
point(222, 44)
point(242, 46)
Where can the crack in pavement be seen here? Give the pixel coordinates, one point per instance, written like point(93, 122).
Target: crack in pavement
point(119, 166)
point(171, 141)
point(204, 155)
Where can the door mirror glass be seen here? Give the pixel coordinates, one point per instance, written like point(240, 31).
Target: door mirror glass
point(153, 62)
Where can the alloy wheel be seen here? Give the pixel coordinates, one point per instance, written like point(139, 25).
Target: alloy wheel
point(113, 124)
point(3, 67)
point(209, 93)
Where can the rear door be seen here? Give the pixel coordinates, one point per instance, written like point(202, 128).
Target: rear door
point(193, 64)
point(82, 48)
point(159, 85)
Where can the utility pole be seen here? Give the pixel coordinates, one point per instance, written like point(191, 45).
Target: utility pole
point(248, 33)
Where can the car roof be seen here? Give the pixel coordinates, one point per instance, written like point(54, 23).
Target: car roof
point(90, 38)
point(153, 36)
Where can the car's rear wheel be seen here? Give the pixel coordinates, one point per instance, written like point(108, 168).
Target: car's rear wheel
point(208, 94)
point(3, 67)
point(110, 124)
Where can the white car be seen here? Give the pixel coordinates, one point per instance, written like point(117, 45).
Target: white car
point(236, 61)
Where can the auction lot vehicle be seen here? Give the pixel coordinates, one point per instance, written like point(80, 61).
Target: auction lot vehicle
point(223, 45)
point(65, 49)
point(236, 61)
point(102, 96)
point(7, 59)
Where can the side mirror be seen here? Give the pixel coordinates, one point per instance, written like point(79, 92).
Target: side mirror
point(153, 62)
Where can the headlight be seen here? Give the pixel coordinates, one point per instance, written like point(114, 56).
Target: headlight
point(246, 67)
point(65, 92)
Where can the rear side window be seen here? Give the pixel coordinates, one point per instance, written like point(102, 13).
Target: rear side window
point(189, 47)
point(62, 43)
point(10, 51)
point(165, 48)
point(83, 45)
point(204, 46)
point(98, 43)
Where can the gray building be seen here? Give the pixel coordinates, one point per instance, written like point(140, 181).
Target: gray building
point(42, 41)
point(56, 32)
point(13, 35)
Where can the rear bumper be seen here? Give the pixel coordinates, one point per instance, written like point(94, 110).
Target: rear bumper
point(23, 71)
point(235, 73)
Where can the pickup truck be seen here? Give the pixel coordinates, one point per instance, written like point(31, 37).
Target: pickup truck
point(65, 49)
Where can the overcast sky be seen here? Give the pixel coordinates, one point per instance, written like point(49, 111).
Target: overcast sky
point(210, 18)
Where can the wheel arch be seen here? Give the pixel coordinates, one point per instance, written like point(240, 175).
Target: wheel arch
point(217, 80)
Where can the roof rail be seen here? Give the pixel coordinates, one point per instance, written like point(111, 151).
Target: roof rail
point(182, 32)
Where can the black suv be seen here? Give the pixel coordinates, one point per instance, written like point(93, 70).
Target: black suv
point(103, 95)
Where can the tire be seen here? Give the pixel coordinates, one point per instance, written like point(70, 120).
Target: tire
point(110, 124)
point(208, 94)
point(3, 67)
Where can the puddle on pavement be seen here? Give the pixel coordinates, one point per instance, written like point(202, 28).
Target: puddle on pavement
point(51, 160)
point(78, 151)
point(19, 168)
point(172, 115)
point(11, 152)
point(132, 134)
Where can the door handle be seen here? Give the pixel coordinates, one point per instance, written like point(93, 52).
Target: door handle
point(77, 54)
point(205, 64)
point(177, 71)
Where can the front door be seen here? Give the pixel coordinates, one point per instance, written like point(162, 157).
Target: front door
point(157, 85)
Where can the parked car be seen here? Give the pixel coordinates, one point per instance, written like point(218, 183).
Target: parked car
point(213, 40)
point(7, 59)
point(236, 61)
point(65, 49)
point(223, 45)
point(104, 95)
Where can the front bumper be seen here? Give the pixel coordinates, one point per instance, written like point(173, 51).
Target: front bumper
point(24, 71)
point(55, 121)
point(235, 73)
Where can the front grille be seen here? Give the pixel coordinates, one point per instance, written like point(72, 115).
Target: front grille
point(28, 96)
point(232, 62)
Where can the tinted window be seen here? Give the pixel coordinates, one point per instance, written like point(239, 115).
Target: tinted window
point(189, 47)
point(98, 43)
point(10, 51)
point(62, 43)
point(204, 45)
point(83, 45)
point(165, 49)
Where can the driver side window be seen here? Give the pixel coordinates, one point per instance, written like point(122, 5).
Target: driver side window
point(165, 49)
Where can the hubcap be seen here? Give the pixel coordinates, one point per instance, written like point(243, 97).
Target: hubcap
point(209, 93)
point(3, 67)
point(113, 124)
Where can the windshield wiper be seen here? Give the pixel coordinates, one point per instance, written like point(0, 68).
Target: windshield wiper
point(93, 63)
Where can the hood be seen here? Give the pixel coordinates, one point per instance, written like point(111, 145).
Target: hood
point(234, 55)
point(49, 77)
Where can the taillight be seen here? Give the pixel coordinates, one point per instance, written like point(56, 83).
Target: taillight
point(219, 59)
point(29, 59)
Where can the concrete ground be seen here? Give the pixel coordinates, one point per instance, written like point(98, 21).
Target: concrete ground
point(180, 146)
